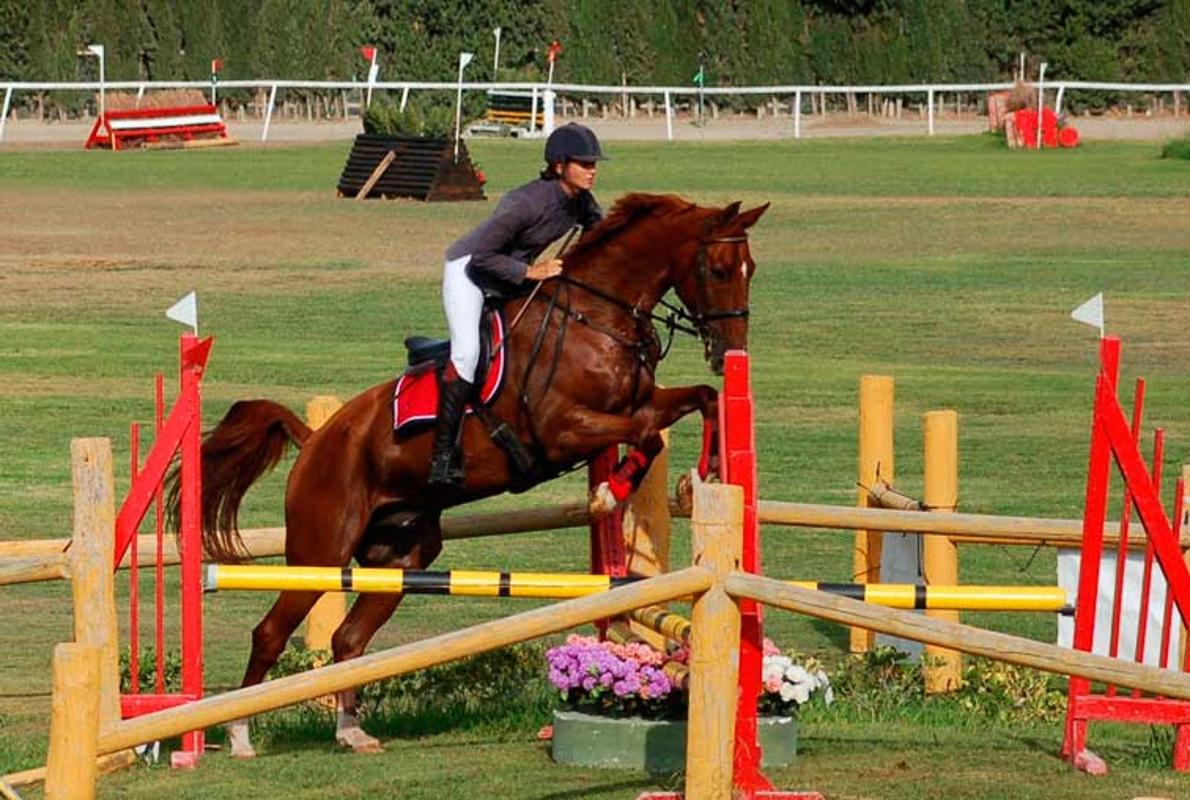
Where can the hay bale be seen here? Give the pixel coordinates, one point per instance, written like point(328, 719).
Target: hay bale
point(164, 98)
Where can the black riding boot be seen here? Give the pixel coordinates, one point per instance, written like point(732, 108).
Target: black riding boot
point(445, 467)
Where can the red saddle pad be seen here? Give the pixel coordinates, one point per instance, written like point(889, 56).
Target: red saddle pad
point(415, 400)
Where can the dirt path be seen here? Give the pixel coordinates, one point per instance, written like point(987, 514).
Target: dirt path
point(22, 134)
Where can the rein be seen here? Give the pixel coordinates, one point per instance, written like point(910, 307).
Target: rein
point(678, 319)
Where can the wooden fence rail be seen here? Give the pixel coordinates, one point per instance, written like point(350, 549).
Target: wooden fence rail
point(955, 636)
point(399, 660)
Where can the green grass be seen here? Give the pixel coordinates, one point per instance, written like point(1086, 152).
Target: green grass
point(951, 264)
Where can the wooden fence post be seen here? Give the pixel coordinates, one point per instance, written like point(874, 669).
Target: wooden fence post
point(646, 527)
point(328, 613)
point(943, 668)
point(92, 553)
point(71, 767)
point(717, 529)
point(875, 461)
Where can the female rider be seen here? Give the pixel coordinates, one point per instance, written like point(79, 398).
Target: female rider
point(501, 255)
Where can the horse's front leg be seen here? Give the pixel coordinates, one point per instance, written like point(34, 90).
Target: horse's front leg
point(666, 407)
point(588, 431)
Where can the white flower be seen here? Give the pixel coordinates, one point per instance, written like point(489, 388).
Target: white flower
point(798, 674)
point(799, 693)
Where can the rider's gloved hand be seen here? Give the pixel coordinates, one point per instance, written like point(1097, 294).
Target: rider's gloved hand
point(544, 270)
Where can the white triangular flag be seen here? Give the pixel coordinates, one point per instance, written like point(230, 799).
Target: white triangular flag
point(185, 311)
point(1090, 313)
point(96, 50)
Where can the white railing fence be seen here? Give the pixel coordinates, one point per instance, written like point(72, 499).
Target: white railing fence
point(796, 95)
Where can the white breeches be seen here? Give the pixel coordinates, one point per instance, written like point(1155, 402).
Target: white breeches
point(463, 301)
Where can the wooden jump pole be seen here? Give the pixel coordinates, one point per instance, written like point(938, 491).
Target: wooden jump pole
point(875, 462)
point(714, 682)
point(973, 528)
point(955, 636)
point(71, 767)
point(328, 613)
point(943, 669)
point(33, 569)
point(292, 689)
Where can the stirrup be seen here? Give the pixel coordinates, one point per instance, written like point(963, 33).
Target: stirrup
point(445, 470)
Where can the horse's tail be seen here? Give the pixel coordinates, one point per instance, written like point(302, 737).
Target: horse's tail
point(247, 443)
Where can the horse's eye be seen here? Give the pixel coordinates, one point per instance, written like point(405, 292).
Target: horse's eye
point(721, 274)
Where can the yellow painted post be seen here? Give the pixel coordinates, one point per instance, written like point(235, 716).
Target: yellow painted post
point(714, 665)
point(875, 461)
point(943, 668)
point(92, 554)
point(74, 722)
point(328, 613)
point(646, 529)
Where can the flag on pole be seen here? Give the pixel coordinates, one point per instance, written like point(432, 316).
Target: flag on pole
point(1090, 313)
point(700, 78)
point(554, 48)
point(185, 311)
point(369, 53)
point(216, 66)
point(95, 50)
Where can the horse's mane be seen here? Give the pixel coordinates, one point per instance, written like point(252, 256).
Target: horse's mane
point(627, 212)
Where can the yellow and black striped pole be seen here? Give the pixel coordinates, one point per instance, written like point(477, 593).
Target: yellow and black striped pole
point(959, 598)
point(398, 581)
point(667, 623)
point(562, 585)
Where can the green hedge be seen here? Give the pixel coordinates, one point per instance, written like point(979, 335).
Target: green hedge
point(639, 41)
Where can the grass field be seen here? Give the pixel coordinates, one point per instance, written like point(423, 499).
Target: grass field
point(950, 264)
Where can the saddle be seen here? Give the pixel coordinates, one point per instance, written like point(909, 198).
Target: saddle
point(416, 396)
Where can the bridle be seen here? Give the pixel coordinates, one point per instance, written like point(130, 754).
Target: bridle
point(703, 272)
point(679, 319)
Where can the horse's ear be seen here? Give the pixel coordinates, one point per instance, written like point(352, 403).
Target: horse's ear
point(726, 215)
point(744, 221)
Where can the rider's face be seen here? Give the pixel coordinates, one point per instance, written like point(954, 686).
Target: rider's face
point(577, 176)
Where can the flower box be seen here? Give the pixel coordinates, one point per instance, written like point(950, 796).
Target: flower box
point(656, 746)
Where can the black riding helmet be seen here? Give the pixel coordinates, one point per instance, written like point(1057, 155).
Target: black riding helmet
point(572, 142)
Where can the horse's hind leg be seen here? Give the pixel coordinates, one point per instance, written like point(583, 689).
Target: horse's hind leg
point(413, 546)
point(268, 641)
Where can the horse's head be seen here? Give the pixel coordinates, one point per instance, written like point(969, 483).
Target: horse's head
point(712, 276)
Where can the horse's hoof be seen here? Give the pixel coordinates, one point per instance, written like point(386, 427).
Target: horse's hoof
point(237, 737)
point(602, 500)
point(358, 741)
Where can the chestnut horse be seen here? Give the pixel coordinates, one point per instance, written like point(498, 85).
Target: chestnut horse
point(581, 362)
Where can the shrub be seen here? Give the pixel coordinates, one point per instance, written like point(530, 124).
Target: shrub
point(1178, 148)
point(431, 116)
point(147, 669)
